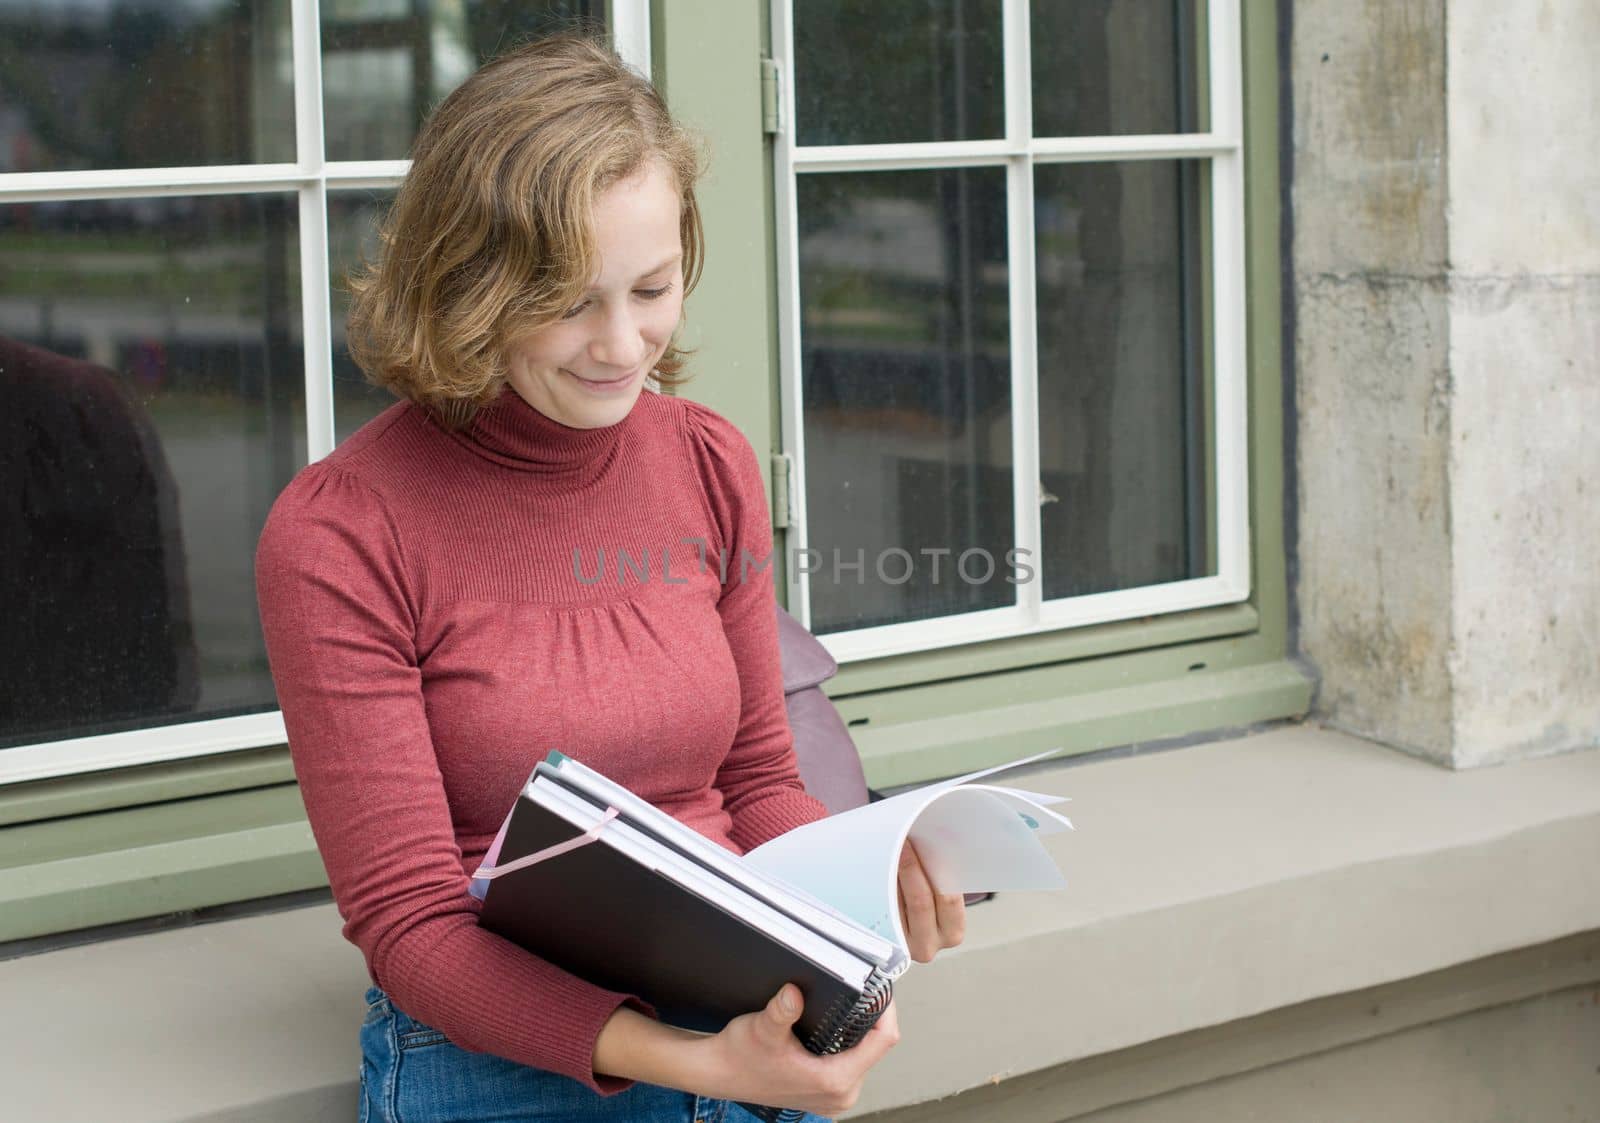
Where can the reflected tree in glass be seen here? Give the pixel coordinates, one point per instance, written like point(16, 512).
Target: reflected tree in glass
point(1122, 429)
point(386, 63)
point(1117, 67)
point(898, 71)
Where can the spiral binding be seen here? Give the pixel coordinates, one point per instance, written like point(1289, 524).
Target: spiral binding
point(846, 1022)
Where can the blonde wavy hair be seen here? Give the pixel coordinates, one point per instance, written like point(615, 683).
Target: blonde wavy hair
point(490, 237)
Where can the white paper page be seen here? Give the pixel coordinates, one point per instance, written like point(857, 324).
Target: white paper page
point(971, 840)
point(1030, 804)
point(1040, 798)
point(851, 860)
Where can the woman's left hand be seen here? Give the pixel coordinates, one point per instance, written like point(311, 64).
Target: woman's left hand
point(932, 920)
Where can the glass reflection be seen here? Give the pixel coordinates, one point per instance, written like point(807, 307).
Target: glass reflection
point(353, 220)
point(151, 364)
point(906, 374)
point(1122, 447)
point(1115, 67)
point(898, 71)
point(385, 63)
point(144, 83)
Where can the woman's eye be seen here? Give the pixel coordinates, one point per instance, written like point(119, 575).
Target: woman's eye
point(655, 294)
point(574, 311)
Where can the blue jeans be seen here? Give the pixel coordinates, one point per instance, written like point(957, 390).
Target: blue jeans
point(411, 1073)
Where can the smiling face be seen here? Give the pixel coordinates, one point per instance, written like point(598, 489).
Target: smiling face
point(586, 370)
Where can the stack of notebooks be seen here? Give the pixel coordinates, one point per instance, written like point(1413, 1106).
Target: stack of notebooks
point(594, 879)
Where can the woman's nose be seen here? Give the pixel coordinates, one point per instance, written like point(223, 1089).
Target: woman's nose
point(619, 343)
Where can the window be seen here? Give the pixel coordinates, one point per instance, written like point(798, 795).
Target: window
point(1011, 267)
point(174, 207)
point(179, 181)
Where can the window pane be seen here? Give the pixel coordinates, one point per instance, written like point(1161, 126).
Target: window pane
point(385, 63)
point(353, 218)
point(1122, 447)
point(906, 370)
point(144, 83)
point(1112, 67)
point(898, 71)
point(151, 366)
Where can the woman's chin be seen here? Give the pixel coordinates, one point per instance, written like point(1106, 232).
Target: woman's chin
point(586, 407)
point(577, 403)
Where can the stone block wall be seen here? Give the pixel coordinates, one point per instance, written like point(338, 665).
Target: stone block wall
point(1446, 279)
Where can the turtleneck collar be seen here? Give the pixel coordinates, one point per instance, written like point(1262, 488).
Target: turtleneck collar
point(511, 432)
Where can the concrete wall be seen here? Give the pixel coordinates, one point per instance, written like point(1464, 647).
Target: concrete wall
point(1529, 1060)
point(1446, 195)
point(1511, 1037)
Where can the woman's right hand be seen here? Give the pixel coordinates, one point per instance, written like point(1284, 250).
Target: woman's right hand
point(763, 1061)
point(755, 1059)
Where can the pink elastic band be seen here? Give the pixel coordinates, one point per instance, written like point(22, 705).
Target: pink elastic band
point(491, 872)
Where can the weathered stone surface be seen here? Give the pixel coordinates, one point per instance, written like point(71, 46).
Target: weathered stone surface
point(1524, 110)
point(1525, 481)
point(1374, 527)
point(1369, 136)
point(1447, 293)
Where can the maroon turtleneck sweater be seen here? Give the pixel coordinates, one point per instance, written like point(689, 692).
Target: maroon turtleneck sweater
point(438, 618)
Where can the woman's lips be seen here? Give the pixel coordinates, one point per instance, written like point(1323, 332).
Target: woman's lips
point(599, 385)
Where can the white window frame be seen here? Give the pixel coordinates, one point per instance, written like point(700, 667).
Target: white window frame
point(310, 176)
point(1223, 150)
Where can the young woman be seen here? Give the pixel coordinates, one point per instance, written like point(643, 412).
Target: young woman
point(435, 623)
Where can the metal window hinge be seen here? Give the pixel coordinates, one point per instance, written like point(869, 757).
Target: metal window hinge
point(782, 489)
point(769, 96)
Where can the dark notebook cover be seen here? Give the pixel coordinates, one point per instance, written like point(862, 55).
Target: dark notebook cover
point(598, 914)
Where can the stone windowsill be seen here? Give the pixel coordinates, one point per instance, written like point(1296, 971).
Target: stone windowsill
point(1208, 884)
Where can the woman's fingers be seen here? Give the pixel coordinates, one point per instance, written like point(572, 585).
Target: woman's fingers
point(876, 1043)
point(932, 920)
point(782, 1011)
point(854, 1063)
point(952, 912)
point(756, 1057)
point(918, 909)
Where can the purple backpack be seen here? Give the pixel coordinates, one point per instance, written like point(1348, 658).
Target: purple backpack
point(829, 763)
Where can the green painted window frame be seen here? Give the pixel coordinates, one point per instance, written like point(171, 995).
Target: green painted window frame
point(98, 849)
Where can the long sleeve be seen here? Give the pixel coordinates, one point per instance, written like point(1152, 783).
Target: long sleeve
point(759, 779)
point(339, 608)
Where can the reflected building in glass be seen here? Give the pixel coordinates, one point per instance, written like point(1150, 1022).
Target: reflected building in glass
point(154, 340)
point(121, 85)
point(906, 360)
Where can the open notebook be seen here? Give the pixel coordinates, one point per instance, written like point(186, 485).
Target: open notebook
point(599, 882)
